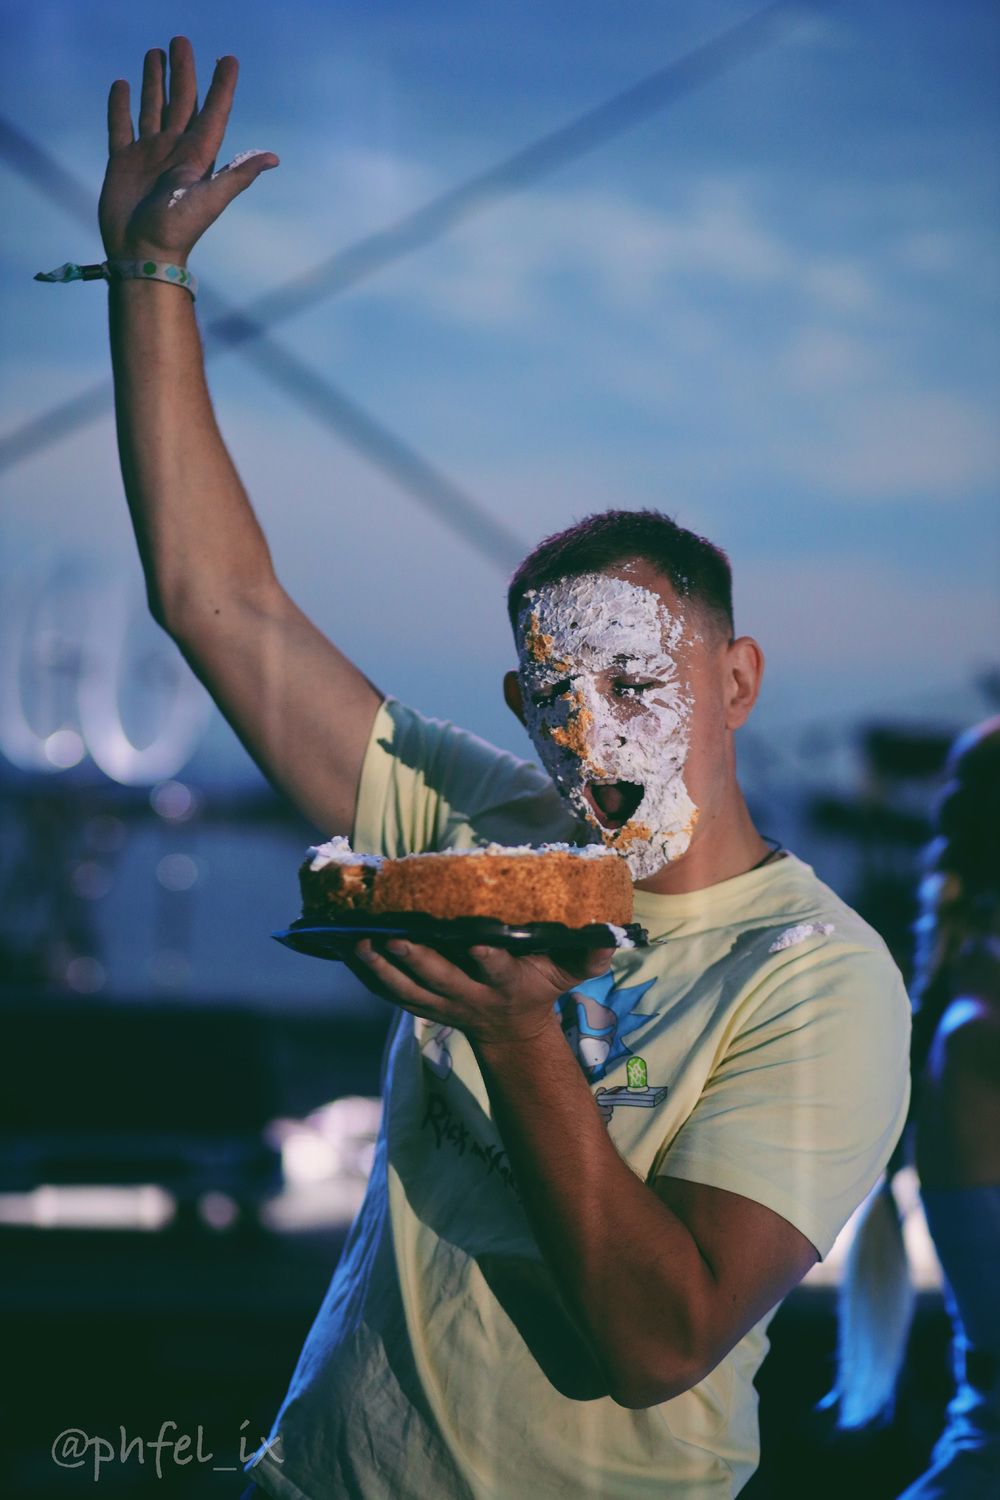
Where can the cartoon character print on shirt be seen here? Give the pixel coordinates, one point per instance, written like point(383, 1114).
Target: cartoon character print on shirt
point(432, 1039)
point(596, 1016)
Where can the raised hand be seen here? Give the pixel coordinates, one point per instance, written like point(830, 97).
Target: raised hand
point(159, 192)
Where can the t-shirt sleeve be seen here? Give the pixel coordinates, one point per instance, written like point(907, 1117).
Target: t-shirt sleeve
point(805, 1105)
point(426, 785)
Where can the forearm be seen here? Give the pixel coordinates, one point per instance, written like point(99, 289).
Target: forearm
point(628, 1268)
point(662, 1282)
point(199, 540)
point(301, 708)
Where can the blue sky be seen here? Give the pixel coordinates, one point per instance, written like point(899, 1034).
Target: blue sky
point(770, 310)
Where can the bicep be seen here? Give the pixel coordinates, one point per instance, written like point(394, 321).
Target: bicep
point(303, 710)
point(753, 1256)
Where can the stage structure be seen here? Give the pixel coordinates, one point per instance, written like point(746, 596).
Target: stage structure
point(246, 329)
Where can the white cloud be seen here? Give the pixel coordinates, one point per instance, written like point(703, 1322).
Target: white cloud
point(856, 615)
point(823, 360)
point(897, 443)
point(932, 250)
point(840, 285)
point(506, 265)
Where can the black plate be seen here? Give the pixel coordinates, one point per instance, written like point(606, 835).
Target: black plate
point(338, 939)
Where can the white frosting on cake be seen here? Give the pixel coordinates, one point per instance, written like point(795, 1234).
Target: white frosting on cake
point(621, 937)
point(584, 851)
point(338, 851)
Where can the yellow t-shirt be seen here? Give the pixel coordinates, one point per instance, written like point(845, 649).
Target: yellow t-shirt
point(773, 1030)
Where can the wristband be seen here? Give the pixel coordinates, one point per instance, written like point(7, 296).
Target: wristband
point(124, 270)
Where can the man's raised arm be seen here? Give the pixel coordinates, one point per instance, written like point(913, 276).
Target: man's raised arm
point(301, 708)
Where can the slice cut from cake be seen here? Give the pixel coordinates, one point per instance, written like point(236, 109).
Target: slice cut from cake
point(516, 886)
point(334, 879)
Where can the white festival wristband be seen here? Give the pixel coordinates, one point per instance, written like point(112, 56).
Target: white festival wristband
point(124, 270)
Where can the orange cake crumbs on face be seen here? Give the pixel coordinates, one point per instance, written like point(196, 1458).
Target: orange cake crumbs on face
point(555, 883)
point(573, 735)
point(539, 646)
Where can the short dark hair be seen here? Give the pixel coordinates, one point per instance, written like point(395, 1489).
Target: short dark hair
point(697, 569)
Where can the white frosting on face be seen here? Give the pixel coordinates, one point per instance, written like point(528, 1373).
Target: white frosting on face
point(605, 702)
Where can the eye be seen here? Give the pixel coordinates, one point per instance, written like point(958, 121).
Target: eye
point(623, 687)
point(547, 694)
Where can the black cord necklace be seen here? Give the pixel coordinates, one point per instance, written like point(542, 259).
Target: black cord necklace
point(778, 848)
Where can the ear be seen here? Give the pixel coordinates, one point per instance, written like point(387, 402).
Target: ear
point(512, 696)
point(744, 670)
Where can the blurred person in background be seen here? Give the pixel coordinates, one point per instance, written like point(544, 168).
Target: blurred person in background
point(955, 1063)
point(552, 1286)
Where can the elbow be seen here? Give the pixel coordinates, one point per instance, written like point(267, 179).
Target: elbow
point(163, 598)
point(638, 1390)
point(664, 1363)
point(186, 595)
point(660, 1376)
point(157, 608)
point(193, 612)
point(645, 1366)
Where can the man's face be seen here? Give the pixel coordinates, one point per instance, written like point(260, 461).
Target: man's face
point(608, 667)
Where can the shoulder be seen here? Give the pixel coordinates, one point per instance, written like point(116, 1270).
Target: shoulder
point(427, 784)
point(799, 919)
point(800, 953)
point(440, 749)
point(820, 968)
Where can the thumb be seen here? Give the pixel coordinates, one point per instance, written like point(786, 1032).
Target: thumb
point(573, 965)
point(237, 175)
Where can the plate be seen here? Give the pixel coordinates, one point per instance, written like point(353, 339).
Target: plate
point(338, 939)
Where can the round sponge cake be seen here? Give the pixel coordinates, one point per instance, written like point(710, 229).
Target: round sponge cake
point(553, 883)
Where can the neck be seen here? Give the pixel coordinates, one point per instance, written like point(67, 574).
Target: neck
point(725, 844)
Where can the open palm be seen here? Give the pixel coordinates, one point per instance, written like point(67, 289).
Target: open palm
point(159, 193)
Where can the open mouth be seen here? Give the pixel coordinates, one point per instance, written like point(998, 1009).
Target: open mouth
point(613, 802)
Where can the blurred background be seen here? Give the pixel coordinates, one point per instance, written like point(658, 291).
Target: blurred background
point(520, 262)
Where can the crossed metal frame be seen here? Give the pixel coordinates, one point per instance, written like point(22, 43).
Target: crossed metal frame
point(246, 329)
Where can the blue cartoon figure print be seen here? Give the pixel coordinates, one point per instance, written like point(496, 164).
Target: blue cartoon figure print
point(596, 1016)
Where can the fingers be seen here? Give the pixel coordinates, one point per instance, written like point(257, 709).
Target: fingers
point(364, 971)
point(151, 100)
point(183, 86)
point(432, 969)
point(404, 990)
point(576, 964)
point(214, 116)
point(495, 964)
point(120, 133)
point(598, 961)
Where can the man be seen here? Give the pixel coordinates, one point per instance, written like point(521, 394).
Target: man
point(596, 1178)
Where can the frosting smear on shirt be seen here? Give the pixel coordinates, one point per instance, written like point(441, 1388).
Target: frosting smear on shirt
point(605, 704)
